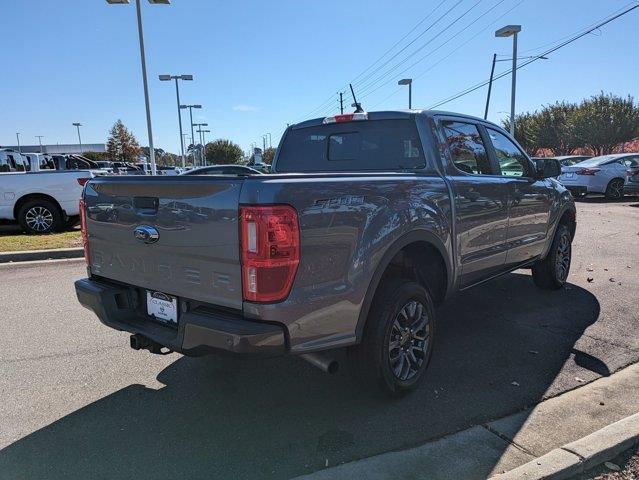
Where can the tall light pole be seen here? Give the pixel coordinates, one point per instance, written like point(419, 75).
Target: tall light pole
point(507, 31)
point(18, 137)
point(138, 4)
point(204, 146)
point(200, 125)
point(191, 107)
point(409, 82)
point(270, 141)
point(264, 142)
point(39, 137)
point(78, 125)
point(165, 78)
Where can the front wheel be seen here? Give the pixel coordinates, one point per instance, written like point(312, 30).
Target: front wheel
point(398, 337)
point(551, 273)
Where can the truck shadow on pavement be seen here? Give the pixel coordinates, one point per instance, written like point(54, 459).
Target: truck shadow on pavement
point(501, 347)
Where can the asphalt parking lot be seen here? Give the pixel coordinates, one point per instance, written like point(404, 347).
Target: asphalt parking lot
point(77, 402)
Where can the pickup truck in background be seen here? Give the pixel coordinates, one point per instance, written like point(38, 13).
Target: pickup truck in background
point(367, 222)
point(42, 202)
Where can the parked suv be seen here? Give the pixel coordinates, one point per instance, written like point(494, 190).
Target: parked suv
point(368, 221)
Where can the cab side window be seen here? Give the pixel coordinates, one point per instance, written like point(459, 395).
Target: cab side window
point(512, 161)
point(466, 148)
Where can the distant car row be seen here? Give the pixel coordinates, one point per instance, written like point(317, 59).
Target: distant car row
point(12, 161)
point(612, 175)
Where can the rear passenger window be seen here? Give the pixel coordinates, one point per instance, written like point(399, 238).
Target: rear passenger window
point(467, 148)
point(512, 161)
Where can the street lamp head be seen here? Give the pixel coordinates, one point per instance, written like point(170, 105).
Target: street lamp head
point(186, 77)
point(165, 78)
point(160, 2)
point(116, 2)
point(405, 81)
point(77, 124)
point(508, 31)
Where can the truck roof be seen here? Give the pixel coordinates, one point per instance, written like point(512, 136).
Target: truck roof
point(397, 114)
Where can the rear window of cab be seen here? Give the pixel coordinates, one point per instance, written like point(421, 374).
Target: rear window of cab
point(368, 145)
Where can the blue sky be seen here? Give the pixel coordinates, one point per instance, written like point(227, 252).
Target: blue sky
point(259, 65)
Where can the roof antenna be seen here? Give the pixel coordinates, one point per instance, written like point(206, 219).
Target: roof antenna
point(358, 107)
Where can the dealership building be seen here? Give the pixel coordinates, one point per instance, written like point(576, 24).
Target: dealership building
point(60, 148)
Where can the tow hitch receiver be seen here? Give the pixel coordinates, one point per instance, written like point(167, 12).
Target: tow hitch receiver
point(140, 342)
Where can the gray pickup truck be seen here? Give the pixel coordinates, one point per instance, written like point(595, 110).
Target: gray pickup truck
point(368, 221)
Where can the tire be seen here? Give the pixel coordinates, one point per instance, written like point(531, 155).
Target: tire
point(551, 273)
point(71, 222)
point(40, 216)
point(398, 337)
point(614, 190)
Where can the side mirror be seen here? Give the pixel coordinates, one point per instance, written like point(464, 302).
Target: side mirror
point(547, 168)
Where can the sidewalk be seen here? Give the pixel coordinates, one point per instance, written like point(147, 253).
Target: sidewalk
point(505, 444)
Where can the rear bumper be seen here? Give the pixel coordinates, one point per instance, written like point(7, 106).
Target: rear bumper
point(200, 331)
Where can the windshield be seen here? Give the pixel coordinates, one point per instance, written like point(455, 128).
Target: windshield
point(368, 145)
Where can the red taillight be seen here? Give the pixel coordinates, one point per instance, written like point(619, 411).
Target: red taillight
point(270, 245)
point(83, 227)
point(587, 171)
point(83, 181)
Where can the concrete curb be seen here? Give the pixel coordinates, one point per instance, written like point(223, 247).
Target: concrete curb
point(31, 255)
point(577, 457)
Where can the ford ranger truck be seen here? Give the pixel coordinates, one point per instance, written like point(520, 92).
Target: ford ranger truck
point(367, 221)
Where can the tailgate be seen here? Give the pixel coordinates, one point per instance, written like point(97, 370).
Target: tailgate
point(196, 252)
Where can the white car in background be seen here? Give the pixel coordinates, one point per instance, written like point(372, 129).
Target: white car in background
point(42, 202)
point(605, 174)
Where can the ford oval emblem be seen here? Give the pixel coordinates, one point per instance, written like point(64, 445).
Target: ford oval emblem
point(146, 234)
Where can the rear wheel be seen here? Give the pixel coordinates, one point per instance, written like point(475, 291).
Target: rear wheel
point(40, 216)
point(551, 273)
point(614, 190)
point(398, 338)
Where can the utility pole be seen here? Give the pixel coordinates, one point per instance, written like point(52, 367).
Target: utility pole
point(39, 137)
point(264, 142)
point(270, 141)
point(490, 85)
point(341, 103)
point(18, 137)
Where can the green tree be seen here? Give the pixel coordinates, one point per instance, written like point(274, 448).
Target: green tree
point(553, 128)
point(223, 152)
point(604, 121)
point(267, 156)
point(163, 157)
point(122, 145)
point(524, 131)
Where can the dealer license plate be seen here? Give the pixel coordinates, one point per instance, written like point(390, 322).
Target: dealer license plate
point(162, 306)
